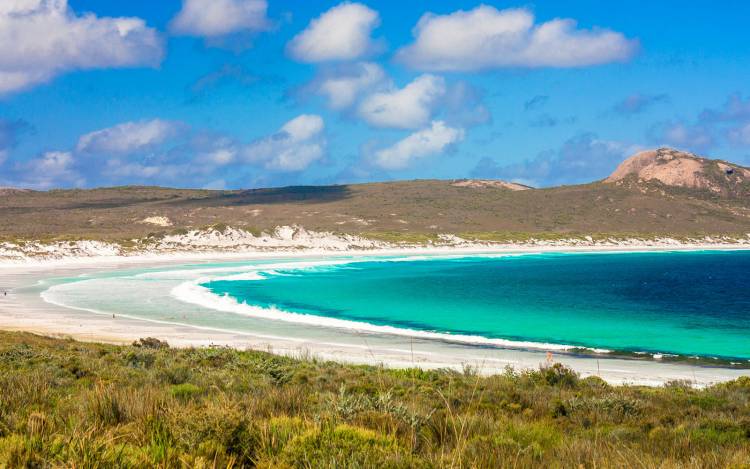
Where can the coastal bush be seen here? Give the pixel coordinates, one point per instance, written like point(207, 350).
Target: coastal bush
point(556, 375)
point(276, 432)
point(150, 342)
point(69, 404)
point(353, 446)
point(175, 374)
point(185, 391)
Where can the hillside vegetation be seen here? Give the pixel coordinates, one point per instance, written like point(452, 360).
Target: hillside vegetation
point(64, 403)
point(646, 196)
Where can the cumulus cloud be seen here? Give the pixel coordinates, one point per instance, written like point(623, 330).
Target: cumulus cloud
point(215, 18)
point(486, 38)
point(406, 108)
point(341, 33)
point(581, 159)
point(128, 137)
point(219, 156)
point(51, 169)
point(169, 153)
point(294, 147)
point(364, 90)
point(40, 39)
point(637, 103)
point(342, 86)
point(432, 140)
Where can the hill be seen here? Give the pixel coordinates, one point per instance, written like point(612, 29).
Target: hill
point(686, 170)
point(656, 193)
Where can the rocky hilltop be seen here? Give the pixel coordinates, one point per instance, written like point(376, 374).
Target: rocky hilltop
point(685, 170)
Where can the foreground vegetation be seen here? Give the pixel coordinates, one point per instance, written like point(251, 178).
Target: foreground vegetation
point(64, 403)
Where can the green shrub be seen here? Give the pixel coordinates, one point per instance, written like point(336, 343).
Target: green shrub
point(594, 382)
point(359, 447)
point(741, 384)
point(140, 359)
point(177, 374)
point(276, 432)
point(17, 451)
point(558, 375)
point(535, 438)
point(185, 391)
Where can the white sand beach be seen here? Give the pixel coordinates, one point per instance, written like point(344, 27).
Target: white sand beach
point(24, 309)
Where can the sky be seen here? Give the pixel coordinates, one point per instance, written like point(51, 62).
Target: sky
point(227, 94)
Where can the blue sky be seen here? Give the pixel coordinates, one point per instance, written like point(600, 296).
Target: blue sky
point(249, 93)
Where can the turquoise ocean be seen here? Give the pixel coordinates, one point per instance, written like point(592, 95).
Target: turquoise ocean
point(679, 303)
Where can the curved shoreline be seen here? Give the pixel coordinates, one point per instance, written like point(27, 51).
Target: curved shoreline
point(24, 310)
point(198, 292)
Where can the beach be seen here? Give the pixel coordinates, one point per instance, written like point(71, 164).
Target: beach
point(25, 309)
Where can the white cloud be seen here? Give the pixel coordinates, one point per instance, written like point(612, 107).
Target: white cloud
point(423, 143)
point(54, 162)
point(407, 108)
point(294, 147)
point(486, 38)
point(128, 137)
point(40, 39)
point(52, 169)
point(341, 33)
point(214, 18)
point(220, 156)
point(343, 87)
point(303, 127)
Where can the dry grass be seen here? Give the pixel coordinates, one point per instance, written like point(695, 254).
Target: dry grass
point(64, 403)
